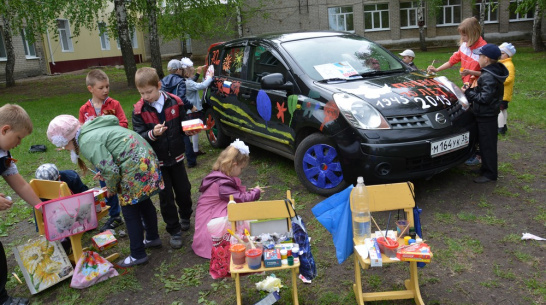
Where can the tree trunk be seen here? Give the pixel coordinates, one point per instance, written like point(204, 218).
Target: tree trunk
point(155, 51)
point(538, 44)
point(125, 42)
point(10, 63)
point(482, 17)
point(421, 23)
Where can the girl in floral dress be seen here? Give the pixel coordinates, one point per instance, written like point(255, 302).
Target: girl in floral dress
point(128, 165)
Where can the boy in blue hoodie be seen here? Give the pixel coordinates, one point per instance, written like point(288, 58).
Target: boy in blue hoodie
point(486, 99)
point(174, 83)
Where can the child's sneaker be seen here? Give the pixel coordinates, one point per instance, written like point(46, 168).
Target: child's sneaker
point(111, 223)
point(474, 160)
point(156, 243)
point(130, 261)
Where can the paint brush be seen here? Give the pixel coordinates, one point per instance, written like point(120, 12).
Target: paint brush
point(94, 172)
point(235, 235)
point(381, 231)
point(249, 240)
point(161, 130)
point(16, 277)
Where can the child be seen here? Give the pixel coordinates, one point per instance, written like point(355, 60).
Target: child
point(486, 98)
point(127, 164)
point(470, 32)
point(101, 104)
point(157, 117)
point(192, 93)
point(507, 51)
point(174, 83)
point(408, 56)
point(49, 171)
point(15, 124)
point(215, 190)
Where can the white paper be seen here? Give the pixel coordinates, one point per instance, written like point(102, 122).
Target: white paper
point(341, 70)
point(362, 251)
point(531, 236)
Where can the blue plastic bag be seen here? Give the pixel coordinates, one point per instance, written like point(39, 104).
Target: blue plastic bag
point(334, 213)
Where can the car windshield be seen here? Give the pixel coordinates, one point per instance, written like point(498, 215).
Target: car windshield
point(341, 57)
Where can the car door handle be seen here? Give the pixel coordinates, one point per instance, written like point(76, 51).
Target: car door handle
point(245, 95)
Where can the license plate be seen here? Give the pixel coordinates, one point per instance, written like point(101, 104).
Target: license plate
point(444, 146)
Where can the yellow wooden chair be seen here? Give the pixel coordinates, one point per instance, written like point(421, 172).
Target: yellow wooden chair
point(386, 197)
point(260, 210)
point(46, 189)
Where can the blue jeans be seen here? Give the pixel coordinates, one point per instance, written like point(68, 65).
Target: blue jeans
point(190, 154)
point(134, 215)
point(113, 202)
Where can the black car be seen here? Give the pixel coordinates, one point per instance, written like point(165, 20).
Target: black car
point(339, 105)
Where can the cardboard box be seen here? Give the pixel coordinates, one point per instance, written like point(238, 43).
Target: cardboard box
point(272, 258)
point(104, 240)
point(195, 124)
point(277, 225)
point(415, 253)
point(374, 252)
point(100, 199)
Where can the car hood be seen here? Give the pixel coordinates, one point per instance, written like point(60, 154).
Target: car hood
point(401, 94)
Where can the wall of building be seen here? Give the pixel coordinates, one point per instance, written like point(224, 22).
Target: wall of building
point(24, 66)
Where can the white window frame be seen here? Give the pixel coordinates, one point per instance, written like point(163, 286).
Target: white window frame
point(134, 41)
point(65, 35)
point(3, 47)
point(103, 36)
point(30, 49)
point(335, 16)
point(408, 11)
point(489, 11)
point(519, 16)
point(449, 6)
point(376, 13)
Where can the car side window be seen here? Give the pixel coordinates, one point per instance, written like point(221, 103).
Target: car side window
point(264, 62)
point(232, 63)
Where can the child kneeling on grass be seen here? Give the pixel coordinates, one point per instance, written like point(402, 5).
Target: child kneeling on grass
point(127, 164)
point(486, 99)
point(215, 190)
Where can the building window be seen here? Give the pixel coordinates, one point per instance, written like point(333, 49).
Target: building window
point(103, 34)
point(450, 13)
point(491, 11)
point(409, 14)
point(376, 17)
point(341, 18)
point(64, 35)
point(519, 16)
point(30, 50)
point(3, 53)
point(134, 41)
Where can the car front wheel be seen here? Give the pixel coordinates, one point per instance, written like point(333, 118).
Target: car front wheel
point(216, 137)
point(318, 166)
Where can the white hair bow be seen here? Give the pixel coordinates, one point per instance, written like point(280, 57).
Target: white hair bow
point(241, 146)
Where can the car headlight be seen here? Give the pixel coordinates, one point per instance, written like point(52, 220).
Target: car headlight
point(455, 89)
point(360, 113)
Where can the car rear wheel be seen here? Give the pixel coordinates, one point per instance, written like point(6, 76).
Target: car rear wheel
point(216, 137)
point(318, 165)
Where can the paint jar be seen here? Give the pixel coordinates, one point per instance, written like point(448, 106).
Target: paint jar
point(238, 254)
point(284, 254)
point(401, 228)
point(406, 240)
point(296, 253)
point(388, 247)
point(290, 261)
point(254, 258)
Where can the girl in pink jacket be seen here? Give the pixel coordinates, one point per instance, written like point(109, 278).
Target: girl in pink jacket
point(215, 190)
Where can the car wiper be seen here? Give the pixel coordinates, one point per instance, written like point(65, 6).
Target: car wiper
point(333, 79)
point(381, 72)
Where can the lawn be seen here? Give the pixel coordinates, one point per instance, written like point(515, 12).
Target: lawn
point(474, 230)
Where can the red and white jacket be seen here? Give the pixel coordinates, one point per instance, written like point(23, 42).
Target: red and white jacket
point(467, 59)
point(109, 106)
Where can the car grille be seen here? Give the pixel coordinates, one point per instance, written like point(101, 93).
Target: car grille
point(426, 163)
point(421, 121)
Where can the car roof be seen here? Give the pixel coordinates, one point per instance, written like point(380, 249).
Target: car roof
point(281, 37)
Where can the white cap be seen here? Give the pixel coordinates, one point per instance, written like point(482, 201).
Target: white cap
point(174, 64)
point(508, 48)
point(360, 180)
point(407, 52)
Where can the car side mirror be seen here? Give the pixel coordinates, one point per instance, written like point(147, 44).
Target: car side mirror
point(276, 81)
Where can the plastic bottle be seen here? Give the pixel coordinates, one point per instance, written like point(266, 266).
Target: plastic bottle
point(360, 208)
